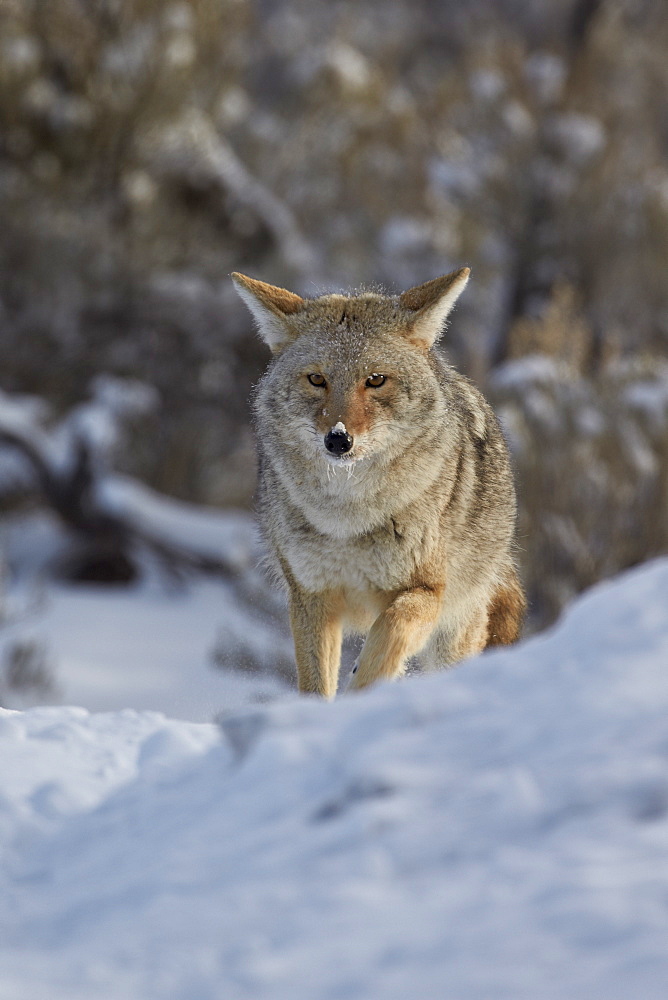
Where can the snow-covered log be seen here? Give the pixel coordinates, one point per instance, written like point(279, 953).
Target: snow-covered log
point(67, 465)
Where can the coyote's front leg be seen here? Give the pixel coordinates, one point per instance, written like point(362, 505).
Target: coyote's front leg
point(398, 633)
point(316, 630)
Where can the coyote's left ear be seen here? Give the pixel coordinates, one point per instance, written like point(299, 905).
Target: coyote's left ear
point(429, 305)
point(271, 308)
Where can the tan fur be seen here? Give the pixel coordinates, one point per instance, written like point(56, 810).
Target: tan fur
point(317, 631)
point(398, 633)
point(279, 300)
point(407, 538)
point(506, 614)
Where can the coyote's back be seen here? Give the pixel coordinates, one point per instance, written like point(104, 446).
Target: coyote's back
point(386, 494)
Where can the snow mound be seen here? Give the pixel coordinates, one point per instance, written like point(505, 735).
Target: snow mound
point(496, 831)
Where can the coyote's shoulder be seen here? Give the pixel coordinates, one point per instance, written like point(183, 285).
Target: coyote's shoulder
point(386, 494)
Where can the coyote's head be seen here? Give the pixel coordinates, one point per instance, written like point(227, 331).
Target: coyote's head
point(353, 377)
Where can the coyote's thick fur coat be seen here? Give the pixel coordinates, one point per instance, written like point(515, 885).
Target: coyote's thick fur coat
point(386, 494)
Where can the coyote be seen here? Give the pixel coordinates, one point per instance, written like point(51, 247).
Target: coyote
point(386, 495)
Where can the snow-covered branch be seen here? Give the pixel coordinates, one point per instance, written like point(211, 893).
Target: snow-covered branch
point(195, 147)
point(68, 466)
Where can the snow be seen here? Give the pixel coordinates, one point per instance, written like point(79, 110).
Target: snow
point(160, 644)
point(153, 652)
point(649, 396)
point(97, 422)
point(546, 74)
point(229, 536)
point(532, 368)
point(500, 830)
point(580, 137)
point(350, 65)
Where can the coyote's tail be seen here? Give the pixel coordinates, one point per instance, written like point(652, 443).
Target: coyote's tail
point(506, 612)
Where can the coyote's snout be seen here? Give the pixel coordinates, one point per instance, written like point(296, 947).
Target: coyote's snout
point(338, 441)
point(386, 495)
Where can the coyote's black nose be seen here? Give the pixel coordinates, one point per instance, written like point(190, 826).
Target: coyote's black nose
point(338, 442)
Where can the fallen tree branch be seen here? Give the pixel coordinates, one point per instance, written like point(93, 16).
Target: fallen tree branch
point(72, 489)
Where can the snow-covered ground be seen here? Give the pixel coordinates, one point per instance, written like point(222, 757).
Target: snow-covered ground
point(497, 832)
point(157, 644)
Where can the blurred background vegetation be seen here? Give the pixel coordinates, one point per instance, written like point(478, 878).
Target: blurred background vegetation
point(149, 148)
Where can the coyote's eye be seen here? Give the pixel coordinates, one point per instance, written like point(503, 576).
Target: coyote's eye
point(316, 379)
point(375, 381)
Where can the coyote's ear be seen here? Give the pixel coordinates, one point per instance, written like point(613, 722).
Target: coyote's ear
point(429, 305)
point(271, 308)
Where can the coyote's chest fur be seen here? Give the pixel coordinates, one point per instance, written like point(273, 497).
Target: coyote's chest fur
point(386, 497)
point(379, 559)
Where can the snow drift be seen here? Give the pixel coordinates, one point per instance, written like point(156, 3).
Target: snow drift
point(496, 831)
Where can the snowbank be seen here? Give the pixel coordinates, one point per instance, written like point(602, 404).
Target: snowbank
point(499, 831)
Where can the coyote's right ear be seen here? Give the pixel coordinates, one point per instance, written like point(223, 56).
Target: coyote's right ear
point(271, 308)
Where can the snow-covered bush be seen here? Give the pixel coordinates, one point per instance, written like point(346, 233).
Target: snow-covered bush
point(592, 462)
